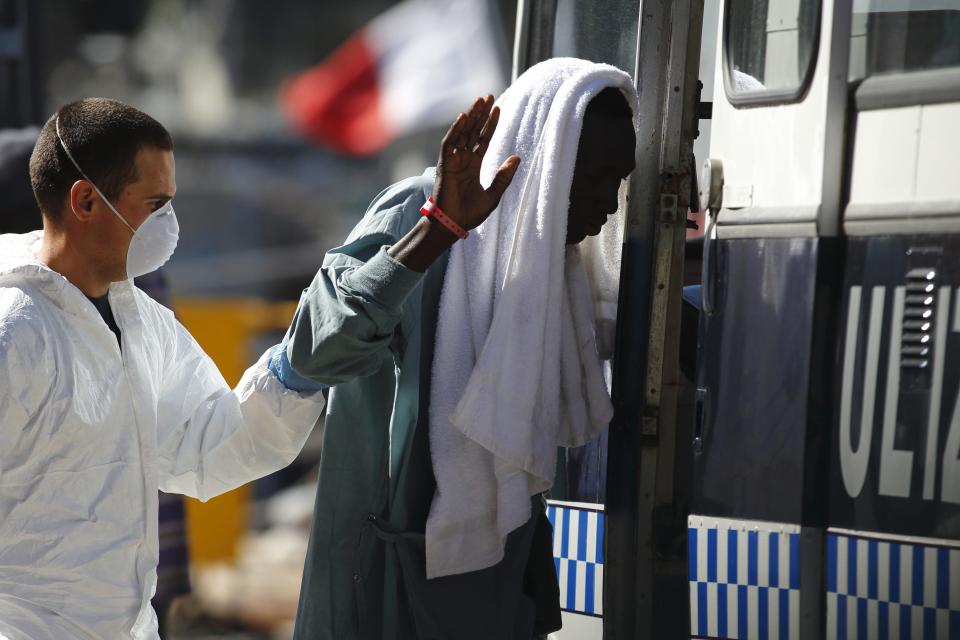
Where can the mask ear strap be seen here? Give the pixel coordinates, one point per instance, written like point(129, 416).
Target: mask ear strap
point(56, 126)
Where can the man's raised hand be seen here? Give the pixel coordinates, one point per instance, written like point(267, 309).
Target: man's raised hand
point(457, 190)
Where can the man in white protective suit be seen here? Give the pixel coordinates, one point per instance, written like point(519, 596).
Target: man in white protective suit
point(104, 396)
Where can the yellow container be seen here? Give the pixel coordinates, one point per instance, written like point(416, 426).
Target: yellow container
point(226, 329)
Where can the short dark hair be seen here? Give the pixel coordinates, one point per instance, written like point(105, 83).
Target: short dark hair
point(610, 102)
point(104, 137)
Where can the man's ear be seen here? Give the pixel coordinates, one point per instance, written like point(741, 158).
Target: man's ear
point(81, 200)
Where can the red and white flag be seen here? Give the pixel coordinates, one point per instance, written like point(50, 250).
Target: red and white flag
point(413, 67)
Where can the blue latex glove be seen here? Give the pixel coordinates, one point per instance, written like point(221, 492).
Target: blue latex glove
point(280, 366)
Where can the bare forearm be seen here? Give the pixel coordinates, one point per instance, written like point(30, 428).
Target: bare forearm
point(422, 245)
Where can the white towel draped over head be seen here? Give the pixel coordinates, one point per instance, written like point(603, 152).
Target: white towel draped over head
point(516, 370)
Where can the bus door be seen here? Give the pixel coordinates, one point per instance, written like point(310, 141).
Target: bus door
point(893, 542)
point(772, 266)
point(619, 533)
point(604, 33)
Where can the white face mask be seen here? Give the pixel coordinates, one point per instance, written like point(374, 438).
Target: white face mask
point(153, 242)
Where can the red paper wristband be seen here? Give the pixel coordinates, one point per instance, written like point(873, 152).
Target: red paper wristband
point(431, 210)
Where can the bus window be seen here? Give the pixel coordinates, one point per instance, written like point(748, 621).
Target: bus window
point(769, 49)
point(598, 31)
point(893, 36)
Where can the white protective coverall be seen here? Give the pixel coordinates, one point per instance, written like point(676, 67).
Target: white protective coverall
point(89, 432)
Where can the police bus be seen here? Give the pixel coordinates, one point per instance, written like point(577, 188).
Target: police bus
point(784, 461)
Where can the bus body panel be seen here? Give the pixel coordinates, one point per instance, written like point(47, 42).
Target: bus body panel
point(754, 365)
point(882, 586)
point(578, 529)
point(896, 438)
point(893, 550)
point(746, 577)
point(754, 558)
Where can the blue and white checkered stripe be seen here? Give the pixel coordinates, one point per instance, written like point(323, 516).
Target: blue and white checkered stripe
point(744, 579)
point(882, 588)
point(578, 555)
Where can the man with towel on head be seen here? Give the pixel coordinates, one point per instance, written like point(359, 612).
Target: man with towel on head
point(461, 347)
